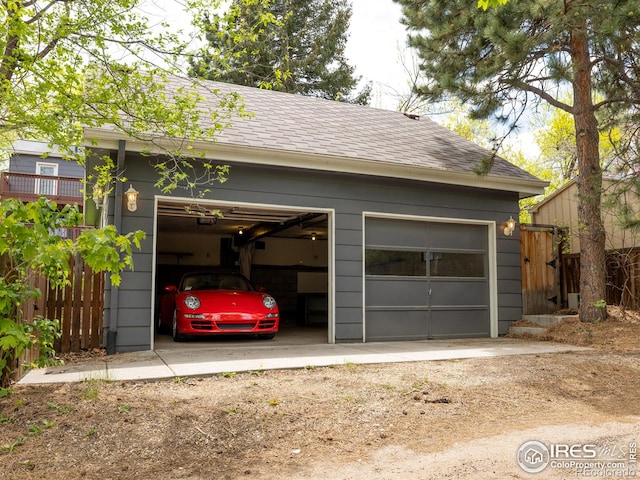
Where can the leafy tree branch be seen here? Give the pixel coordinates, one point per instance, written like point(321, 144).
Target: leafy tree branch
point(33, 243)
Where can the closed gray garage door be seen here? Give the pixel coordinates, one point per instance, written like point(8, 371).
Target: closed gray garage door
point(425, 280)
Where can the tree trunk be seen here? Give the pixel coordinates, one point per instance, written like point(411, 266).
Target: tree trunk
point(590, 228)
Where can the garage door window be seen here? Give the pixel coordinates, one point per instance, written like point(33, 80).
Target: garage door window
point(456, 264)
point(395, 262)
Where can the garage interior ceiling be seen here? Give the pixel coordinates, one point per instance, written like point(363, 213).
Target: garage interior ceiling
point(256, 222)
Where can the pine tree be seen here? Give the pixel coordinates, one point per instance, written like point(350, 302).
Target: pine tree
point(301, 50)
point(506, 58)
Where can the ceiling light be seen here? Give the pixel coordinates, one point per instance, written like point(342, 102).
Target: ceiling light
point(207, 220)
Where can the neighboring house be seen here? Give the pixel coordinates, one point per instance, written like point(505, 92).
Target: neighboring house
point(34, 172)
point(366, 222)
point(561, 209)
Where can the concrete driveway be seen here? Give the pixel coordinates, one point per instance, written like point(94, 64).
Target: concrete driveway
point(308, 349)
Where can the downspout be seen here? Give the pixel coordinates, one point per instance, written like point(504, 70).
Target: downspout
point(117, 222)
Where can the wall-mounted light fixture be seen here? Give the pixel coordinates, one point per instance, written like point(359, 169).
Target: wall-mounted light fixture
point(207, 220)
point(132, 199)
point(97, 195)
point(313, 236)
point(510, 227)
point(240, 230)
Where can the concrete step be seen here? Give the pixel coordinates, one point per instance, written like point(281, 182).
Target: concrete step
point(547, 320)
point(544, 322)
point(527, 331)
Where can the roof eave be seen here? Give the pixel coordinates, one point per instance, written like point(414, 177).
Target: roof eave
point(283, 158)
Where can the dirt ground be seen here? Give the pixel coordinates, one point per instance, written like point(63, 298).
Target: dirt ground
point(423, 420)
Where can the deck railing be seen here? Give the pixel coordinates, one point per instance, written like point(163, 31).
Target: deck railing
point(29, 187)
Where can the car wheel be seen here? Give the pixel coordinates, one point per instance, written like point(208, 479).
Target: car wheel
point(160, 328)
point(267, 336)
point(175, 333)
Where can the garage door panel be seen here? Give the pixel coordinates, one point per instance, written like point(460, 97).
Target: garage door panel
point(396, 324)
point(458, 293)
point(396, 292)
point(457, 323)
point(458, 236)
point(395, 232)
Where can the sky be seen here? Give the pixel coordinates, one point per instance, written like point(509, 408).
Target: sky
point(376, 38)
point(376, 42)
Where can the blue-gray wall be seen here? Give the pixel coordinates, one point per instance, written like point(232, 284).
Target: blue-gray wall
point(25, 163)
point(349, 195)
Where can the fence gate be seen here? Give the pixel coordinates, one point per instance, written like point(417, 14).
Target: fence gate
point(540, 261)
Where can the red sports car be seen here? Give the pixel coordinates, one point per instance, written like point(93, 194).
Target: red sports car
point(215, 304)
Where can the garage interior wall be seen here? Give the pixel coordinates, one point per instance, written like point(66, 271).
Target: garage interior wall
point(205, 248)
point(349, 195)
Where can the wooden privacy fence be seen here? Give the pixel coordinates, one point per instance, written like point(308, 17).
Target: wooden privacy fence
point(549, 276)
point(623, 276)
point(78, 305)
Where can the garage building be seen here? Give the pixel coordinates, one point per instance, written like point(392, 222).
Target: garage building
point(369, 223)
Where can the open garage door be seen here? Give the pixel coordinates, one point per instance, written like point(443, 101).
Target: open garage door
point(425, 280)
point(281, 250)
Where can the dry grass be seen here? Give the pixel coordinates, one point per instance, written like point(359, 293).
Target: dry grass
point(619, 332)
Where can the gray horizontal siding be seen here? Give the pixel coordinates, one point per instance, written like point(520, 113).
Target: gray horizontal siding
point(23, 163)
point(509, 244)
point(348, 275)
point(506, 316)
point(132, 339)
point(510, 300)
point(351, 237)
point(348, 268)
point(135, 280)
point(137, 298)
point(349, 331)
point(509, 272)
point(348, 252)
point(509, 286)
point(143, 262)
point(352, 283)
point(508, 258)
point(135, 317)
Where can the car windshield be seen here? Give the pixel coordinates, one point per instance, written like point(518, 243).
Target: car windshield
point(215, 281)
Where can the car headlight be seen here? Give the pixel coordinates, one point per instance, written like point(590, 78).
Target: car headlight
point(269, 302)
point(192, 302)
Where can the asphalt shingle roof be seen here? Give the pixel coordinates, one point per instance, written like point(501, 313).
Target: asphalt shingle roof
point(305, 125)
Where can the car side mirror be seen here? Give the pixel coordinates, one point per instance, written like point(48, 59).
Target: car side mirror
point(170, 289)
